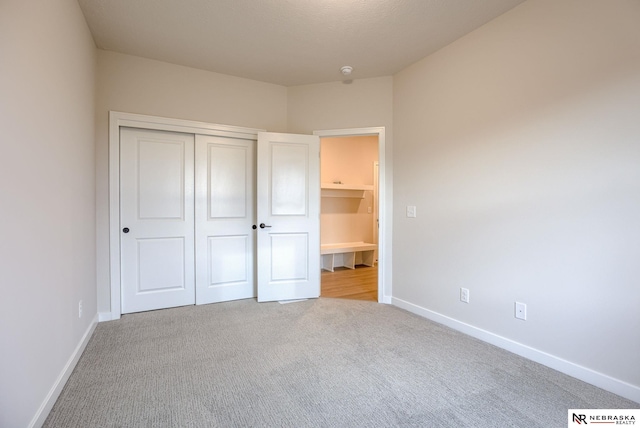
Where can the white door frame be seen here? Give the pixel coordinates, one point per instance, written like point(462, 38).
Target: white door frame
point(376, 204)
point(119, 119)
point(384, 206)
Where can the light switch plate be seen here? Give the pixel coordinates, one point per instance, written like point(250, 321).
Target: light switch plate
point(411, 211)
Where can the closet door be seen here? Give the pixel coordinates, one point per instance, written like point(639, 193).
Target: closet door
point(156, 219)
point(225, 212)
point(288, 174)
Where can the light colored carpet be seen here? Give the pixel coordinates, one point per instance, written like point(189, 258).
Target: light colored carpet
point(316, 363)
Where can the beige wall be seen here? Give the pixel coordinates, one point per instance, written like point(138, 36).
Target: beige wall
point(350, 161)
point(520, 146)
point(136, 85)
point(47, 220)
point(337, 105)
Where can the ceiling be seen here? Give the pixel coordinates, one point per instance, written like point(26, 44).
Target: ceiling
point(287, 42)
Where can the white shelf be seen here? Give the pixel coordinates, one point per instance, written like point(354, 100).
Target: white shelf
point(344, 254)
point(333, 190)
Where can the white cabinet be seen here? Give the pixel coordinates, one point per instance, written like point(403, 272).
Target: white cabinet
point(347, 254)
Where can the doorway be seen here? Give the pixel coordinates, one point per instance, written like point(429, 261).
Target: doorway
point(349, 221)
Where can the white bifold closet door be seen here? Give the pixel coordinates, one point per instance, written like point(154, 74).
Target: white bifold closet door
point(156, 219)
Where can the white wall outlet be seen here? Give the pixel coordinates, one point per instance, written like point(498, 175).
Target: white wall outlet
point(464, 295)
point(80, 309)
point(411, 211)
point(521, 311)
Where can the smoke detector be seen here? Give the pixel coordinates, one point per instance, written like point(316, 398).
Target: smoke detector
point(346, 70)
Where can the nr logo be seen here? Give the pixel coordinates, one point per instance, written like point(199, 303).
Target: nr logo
point(580, 419)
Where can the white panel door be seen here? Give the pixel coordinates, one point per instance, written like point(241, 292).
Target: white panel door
point(156, 219)
point(225, 213)
point(288, 183)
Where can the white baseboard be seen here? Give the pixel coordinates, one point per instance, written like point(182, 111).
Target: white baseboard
point(608, 383)
point(54, 393)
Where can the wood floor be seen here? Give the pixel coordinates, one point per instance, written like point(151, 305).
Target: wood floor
point(360, 283)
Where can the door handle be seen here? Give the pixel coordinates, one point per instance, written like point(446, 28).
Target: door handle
point(125, 230)
point(262, 226)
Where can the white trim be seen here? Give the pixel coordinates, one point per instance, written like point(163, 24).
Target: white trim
point(104, 316)
point(56, 389)
point(385, 209)
point(585, 374)
point(376, 204)
point(117, 120)
point(181, 125)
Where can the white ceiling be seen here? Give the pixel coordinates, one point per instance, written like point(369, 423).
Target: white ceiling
point(287, 42)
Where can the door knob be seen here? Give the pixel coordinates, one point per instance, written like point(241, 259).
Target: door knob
point(125, 230)
point(262, 226)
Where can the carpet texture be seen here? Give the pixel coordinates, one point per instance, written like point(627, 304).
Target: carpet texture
point(316, 363)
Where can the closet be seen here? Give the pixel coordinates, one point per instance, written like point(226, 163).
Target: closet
point(349, 207)
point(192, 229)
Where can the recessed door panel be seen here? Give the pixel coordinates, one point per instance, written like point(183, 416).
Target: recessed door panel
point(156, 219)
point(225, 212)
point(230, 260)
point(161, 264)
point(228, 175)
point(288, 216)
point(160, 179)
point(289, 257)
point(289, 179)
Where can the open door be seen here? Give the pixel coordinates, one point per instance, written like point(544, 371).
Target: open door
point(288, 216)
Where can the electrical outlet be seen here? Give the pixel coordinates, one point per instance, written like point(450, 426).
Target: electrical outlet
point(411, 211)
point(521, 311)
point(80, 309)
point(464, 295)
